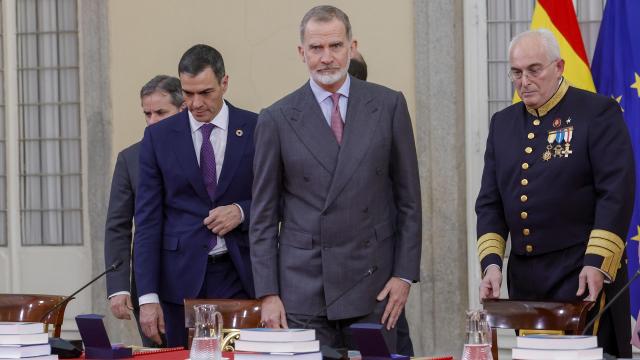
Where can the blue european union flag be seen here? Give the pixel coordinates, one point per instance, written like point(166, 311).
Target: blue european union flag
point(616, 73)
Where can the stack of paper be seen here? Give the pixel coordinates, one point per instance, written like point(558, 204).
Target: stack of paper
point(557, 347)
point(277, 344)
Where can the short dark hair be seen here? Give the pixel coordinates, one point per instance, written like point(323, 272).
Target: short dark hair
point(325, 13)
point(358, 68)
point(198, 58)
point(164, 83)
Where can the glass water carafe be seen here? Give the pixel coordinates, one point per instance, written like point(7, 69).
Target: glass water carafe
point(207, 338)
point(477, 345)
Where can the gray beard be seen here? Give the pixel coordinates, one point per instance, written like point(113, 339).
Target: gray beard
point(332, 78)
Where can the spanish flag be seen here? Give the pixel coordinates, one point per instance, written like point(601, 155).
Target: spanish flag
point(559, 17)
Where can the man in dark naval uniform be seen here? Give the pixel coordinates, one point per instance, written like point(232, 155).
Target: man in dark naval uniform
point(559, 178)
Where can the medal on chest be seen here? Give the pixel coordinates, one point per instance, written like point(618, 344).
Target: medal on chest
point(559, 141)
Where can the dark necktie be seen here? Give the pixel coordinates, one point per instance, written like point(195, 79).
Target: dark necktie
point(208, 169)
point(337, 125)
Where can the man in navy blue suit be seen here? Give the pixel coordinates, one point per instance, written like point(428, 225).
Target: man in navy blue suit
point(160, 98)
point(193, 201)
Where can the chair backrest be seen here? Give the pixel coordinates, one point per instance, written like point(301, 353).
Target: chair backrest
point(236, 314)
point(535, 315)
point(32, 307)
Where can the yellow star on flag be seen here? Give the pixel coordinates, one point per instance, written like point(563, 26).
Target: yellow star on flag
point(636, 85)
point(618, 99)
point(637, 237)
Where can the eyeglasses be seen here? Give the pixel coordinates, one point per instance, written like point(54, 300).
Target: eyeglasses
point(532, 72)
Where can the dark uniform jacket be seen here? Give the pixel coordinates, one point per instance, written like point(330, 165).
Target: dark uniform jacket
point(560, 181)
point(555, 177)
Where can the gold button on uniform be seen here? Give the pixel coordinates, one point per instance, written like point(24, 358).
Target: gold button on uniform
point(536, 122)
point(525, 166)
point(528, 150)
point(524, 182)
point(523, 215)
point(530, 136)
point(526, 232)
point(524, 198)
point(529, 248)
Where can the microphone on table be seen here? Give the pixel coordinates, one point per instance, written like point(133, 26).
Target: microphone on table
point(63, 348)
point(327, 351)
point(613, 299)
point(111, 268)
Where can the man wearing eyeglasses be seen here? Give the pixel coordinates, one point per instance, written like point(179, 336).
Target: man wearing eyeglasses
point(559, 179)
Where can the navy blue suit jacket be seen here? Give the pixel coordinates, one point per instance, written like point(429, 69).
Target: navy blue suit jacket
point(171, 203)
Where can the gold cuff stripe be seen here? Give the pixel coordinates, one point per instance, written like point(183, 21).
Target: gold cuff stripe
point(608, 245)
point(495, 243)
point(607, 262)
point(609, 236)
point(491, 250)
point(491, 243)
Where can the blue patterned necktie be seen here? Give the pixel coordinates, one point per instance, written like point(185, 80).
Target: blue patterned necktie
point(208, 168)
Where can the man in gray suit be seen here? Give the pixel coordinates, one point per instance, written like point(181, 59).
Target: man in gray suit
point(336, 195)
point(160, 98)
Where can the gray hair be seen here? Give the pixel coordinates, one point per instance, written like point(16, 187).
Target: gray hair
point(325, 13)
point(167, 84)
point(548, 40)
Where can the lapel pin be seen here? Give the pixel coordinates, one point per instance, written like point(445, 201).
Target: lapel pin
point(557, 122)
point(239, 132)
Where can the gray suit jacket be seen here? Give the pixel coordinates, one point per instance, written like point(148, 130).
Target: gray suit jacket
point(118, 229)
point(324, 214)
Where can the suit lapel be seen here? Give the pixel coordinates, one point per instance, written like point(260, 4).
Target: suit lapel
point(360, 125)
point(186, 155)
point(307, 121)
point(234, 150)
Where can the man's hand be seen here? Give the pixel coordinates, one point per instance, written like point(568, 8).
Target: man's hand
point(152, 321)
point(398, 292)
point(592, 279)
point(273, 314)
point(120, 306)
point(223, 219)
point(490, 284)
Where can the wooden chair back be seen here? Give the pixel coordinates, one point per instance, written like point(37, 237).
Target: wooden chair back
point(32, 307)
point(535, 315)
point(236, 314)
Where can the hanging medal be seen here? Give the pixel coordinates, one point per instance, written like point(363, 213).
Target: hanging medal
point(551, 138)
point(568, 134)
point(557, 150)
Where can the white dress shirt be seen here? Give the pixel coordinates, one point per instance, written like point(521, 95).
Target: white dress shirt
point(323, 97)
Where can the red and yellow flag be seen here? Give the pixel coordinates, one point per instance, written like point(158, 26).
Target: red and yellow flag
point(559, 17)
